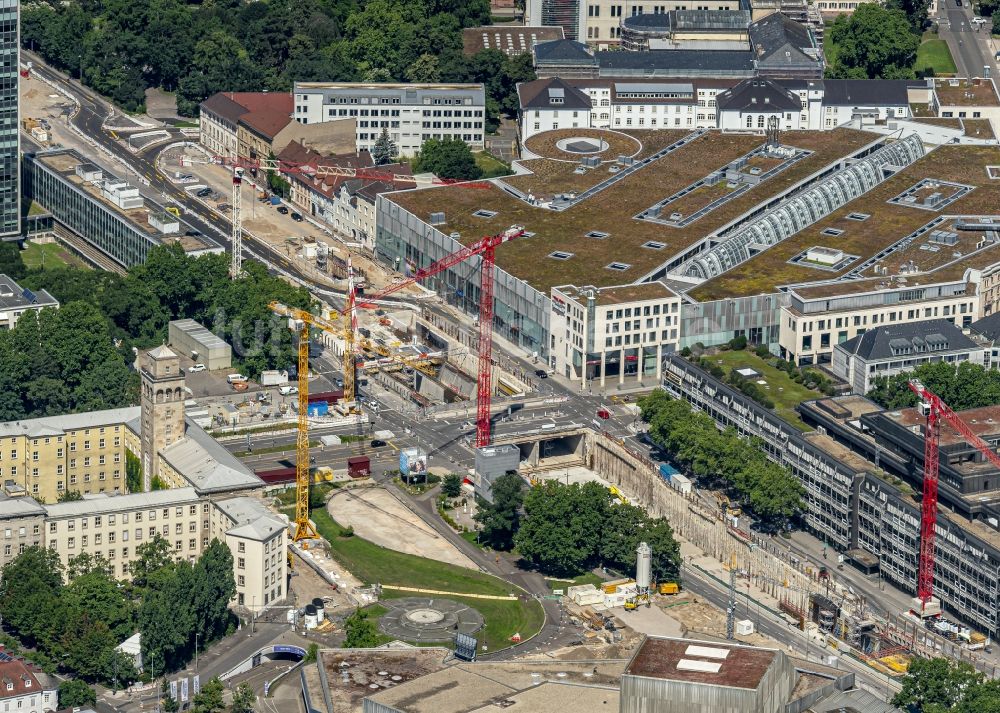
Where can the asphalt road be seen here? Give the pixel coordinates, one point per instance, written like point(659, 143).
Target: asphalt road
point(969, 47)
point(445, 439)
point(781, 630)
point(90, 120)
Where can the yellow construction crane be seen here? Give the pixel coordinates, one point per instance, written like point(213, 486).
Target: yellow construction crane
point(302, 321)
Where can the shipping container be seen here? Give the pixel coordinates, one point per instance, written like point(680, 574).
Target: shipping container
point(277, 475)
point(359, 467)
point(681, 483)
point(667, 471)
point(331, 397)
point(318, 408)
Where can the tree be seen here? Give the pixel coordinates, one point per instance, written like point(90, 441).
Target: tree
point(447, 158)
point(68, 496)
point(560, 523)
point(150, 557)
point(361, 631)
point(244, 699)
point(666, 565)
point(451, 486)
point(209, 698)
point(170, 704)
point(11, 263)
point(962, 387)
point(996, 24)
point(501, 518)
point(213, 588)
point(424, 69)
point(915, 11)
point(770, 491)
point(133, 472)
point(936, 685)
point(874, 43)
point(74, 693)
point(30, 591)
point(384, 151)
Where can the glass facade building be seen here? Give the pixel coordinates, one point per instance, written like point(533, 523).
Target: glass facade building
point(10, 145)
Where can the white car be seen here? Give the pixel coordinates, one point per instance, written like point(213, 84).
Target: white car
point(288, 390)
point(234, 378)
point(196, 367)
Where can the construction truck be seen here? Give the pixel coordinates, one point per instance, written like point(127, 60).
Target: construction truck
point(668, 588)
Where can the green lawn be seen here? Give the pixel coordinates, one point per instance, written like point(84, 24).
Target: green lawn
point(934, 55)
point(585, 578)
point(491, 165)
point(371, 563)
point(49, 255)
point(780, 388)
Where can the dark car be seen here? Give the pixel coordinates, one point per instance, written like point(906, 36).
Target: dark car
point(192, 233)
point(204, 192)
point(283, 210)
point(378, 443)
point(296, 217)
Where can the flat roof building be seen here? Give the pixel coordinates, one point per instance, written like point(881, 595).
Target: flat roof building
point(108, 214)
point(411, 113)
point(196, 342)
point(16, 300)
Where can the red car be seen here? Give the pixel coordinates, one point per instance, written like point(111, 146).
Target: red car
point(603, 413)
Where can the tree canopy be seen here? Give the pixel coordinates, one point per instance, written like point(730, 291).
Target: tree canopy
point(77, 358)
point(874, 42)
point(716, 457)
point(500, 519)
point(568, 529)
point(939, 685)
point(962, 387)
point(78, 615)
point(447, 158)
point(123, 47)
point(361, 631)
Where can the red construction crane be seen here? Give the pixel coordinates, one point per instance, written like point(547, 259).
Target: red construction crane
point(484, 248)
point(936, 410)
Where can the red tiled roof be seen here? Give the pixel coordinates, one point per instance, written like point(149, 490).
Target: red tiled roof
point(233, 105)
point(330, 185)
point(266, 122)
point(20, 677)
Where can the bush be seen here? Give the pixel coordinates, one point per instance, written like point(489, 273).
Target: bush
point(347, 531)
point(738, 343)
point(762, 351)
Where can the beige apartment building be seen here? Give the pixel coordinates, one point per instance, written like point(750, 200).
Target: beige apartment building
point(113, 527)
point(612, 334)
point(21, 523)
point(258, 540)
point(821, 316)
point(51, 455)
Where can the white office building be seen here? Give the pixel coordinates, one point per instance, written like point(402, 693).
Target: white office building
point(412, 113)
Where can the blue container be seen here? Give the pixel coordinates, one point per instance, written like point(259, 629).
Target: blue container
point(667, 471)
point(319, 408)
point(275, 200)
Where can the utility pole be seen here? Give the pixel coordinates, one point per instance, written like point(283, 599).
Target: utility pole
point(731, 608)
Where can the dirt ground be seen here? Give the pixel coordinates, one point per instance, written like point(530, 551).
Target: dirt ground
point(40, 101)
point(377, 516)
point(161, 105)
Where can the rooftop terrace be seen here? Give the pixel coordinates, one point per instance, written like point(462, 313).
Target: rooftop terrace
point(886, 225)
point(643, 245)
point(966, 92)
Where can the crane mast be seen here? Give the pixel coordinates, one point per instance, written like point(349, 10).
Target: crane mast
point(935, 411)
point(236, 259)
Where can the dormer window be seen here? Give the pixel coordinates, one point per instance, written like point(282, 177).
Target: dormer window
point(10, 685)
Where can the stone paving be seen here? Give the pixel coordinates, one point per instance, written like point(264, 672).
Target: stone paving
point(429, 619)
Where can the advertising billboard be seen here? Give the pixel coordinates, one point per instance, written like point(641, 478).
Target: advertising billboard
point(412, 463)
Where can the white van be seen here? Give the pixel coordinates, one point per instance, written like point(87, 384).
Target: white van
point(288, 390)
point(233, 378)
